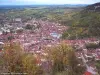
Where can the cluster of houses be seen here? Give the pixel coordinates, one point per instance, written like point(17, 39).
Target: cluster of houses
point(80, 46)
point(46, 34)
point(88, 52)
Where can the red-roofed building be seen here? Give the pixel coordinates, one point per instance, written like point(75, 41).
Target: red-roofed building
point(87, 73)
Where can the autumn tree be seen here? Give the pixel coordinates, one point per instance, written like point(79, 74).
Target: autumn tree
point(63, 59)
point(18, 61)
point(30, 65)
point(12, 56)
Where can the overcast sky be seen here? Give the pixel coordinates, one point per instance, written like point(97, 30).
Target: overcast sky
point(30, 2)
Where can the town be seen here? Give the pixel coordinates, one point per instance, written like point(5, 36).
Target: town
point(34, 35)
point(50, 39)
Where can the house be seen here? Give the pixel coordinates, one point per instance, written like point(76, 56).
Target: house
point(87, 73)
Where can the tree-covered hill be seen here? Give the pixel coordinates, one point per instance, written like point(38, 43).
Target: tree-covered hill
point(86, 23)
point(93, 7)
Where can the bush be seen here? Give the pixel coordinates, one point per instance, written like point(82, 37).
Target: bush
point(98, 66)
point(92, 45)
point(28, 26)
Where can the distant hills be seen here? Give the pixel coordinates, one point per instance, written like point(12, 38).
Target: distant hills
point(76, 5)
point(93, 7)
point(24, 6)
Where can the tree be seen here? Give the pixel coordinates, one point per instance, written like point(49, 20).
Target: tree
point(62, 57)
point(98, 66)
point(92, 46)
point(28, 26)
point(12, 56)
point(17, 61)
point(19, 31)
point(10, 38)
point(30, 65)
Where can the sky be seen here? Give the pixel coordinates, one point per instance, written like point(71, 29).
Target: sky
point(32, 2)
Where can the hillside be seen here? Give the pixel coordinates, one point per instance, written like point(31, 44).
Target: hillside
point(93, 7)
point(86, 23)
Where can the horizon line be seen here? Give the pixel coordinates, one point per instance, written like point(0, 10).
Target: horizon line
point(41, 4)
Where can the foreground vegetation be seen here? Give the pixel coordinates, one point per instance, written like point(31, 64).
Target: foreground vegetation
point(62, 58)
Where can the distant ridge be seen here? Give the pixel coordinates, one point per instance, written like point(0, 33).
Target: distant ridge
point(93, 7)
point(8, 7)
